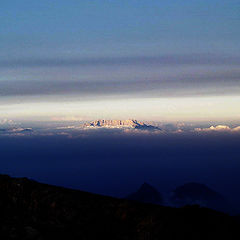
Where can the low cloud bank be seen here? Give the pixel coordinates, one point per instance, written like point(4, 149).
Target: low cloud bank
point(6, 121)
point(77, 129)
point(219, 128)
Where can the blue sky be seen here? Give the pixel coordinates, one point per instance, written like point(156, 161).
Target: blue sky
point(83, 52)
point(35, 25)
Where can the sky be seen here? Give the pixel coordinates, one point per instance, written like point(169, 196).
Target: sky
point(174, 64)
point(152, 60)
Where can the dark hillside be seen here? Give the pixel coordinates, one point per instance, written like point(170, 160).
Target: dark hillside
point(31, 210)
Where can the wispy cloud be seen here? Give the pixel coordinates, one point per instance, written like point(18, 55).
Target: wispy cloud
point(183, 85)
point(6, 121)
point(159, 60)
point(166, 75)
point(16, 131)
point(67, 119)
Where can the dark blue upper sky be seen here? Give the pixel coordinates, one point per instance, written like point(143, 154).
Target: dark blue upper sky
point(72, 26)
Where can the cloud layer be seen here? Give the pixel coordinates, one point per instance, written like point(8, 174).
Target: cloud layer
point(219, 128)
point(72, 128)
point(139, 60)
point(166, 75)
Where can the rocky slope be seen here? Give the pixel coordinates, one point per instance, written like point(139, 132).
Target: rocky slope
point(30, 210)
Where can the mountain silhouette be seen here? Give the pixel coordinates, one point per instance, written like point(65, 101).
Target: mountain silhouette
point(31, 210)
point(196, 193)
point(146, 193)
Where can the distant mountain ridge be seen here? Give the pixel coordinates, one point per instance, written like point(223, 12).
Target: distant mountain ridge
point(130, 123)
point(147, 194)
point(35, 211)
point(196, 193)
point(187, 194)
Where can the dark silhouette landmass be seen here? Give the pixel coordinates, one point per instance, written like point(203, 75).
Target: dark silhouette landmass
point(31, 210)
point(187, 194)
point(197, 193)
point(147, 194)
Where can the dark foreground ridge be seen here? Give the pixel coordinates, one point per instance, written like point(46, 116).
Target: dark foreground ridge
point(31, 210)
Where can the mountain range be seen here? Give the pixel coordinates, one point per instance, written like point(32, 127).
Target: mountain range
point(197, 193)
point(186, 194)
point(32, 210)
point(130, 123)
